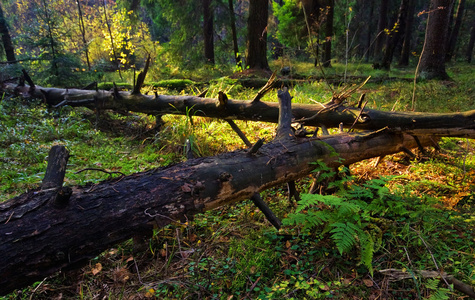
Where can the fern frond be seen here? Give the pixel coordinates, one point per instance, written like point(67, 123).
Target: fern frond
point(344, 236)
point(367, 251)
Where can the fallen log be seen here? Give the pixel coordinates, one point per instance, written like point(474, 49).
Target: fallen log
point(331, 116)
point(39, 237)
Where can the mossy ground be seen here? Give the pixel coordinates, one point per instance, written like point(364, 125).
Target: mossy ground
point(233, 252)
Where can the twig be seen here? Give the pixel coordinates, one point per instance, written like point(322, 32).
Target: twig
point(265, 88)
point(11, 215)
point(239, 132)
point(359, 115)
point(101, 170)
point(162, 216)
point(433, 258)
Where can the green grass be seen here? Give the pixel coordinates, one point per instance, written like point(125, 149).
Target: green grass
point(427, 215)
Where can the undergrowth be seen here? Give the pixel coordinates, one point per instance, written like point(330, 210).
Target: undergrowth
point(409, 215)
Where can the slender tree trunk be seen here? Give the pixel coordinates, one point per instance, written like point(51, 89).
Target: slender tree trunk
point(83, 34)
point(6, 38)
point(327, 53)
point(471, 43)
point(395, 37)
point(406, 46)
point(112, 38)
point(232, 19)
point(381, 35)
point(452, 41)
point(51, 39)
point(369, 31)
point(257, 34)
point(432, 63)
point(312, 10)
point(208, 16)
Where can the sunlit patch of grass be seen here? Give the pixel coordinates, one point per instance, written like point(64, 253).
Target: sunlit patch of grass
point(233, 250)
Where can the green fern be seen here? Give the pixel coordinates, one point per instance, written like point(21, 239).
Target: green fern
point(367, 249)
point(439, 293)
point(344, 235)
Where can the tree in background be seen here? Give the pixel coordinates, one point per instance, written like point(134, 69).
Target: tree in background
point(454, 33)
point(83, 34)
point(432, 61)
point(232, 19)
point(6, 39)
point(381, 35)
point(471, 43)
point(406, 45)
point(257, 35)
point(208, 33)
point(395, 35)
point(327, 45)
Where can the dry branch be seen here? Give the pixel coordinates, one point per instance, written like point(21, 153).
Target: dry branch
point(448, 124)
point(39, 238)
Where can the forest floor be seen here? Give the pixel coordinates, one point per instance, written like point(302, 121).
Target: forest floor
point(410, 214)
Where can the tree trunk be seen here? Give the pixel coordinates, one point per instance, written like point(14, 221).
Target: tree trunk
point(369, 31)
point(208, 17)
point(6, 39)
point(452, 41)
point(432, 63)
point(406, 46)
point(450, 124)
point(327, 52)
point(83, 34)
point(396, 32)
point(40, 238)
point(232, 19)
point(471, 43)
point(257, 35)
point(381, 35)
point(49, 25)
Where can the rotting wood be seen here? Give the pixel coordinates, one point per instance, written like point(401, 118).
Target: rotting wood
point(461, 124)
point(38, 239)
point(396, 274)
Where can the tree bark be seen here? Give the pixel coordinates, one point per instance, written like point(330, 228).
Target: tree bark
point(449, 124)
point(6, 38)
point(327, 46)
point(471, 43)
point(381, 35)
point(432, 64)
point(406, 46)
point(82, 28)
point(208, 17)
point(257, 35)
point(232, 19)
point(452, 41)
point(396, 32)
point(39, 238)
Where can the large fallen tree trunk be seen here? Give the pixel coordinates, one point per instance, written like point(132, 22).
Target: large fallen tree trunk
point(43, 232)
point(330, 115)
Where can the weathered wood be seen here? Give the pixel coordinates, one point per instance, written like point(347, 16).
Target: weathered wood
point(38, 239)
point(56, 168)
point(446, 124)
